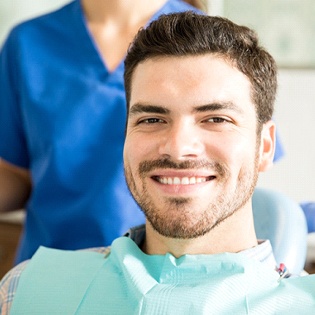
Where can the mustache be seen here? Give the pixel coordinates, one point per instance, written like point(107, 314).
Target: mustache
point(148, 166)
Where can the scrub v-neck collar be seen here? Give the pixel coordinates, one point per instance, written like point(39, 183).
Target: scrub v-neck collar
point(93, 51)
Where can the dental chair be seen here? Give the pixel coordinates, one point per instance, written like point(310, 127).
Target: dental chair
point(282, 221)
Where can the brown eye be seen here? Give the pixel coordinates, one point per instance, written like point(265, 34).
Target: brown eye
point(151, 121)
point(217, 120)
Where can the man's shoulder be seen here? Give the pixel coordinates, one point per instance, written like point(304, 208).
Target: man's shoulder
point(8, 286)
point(10, 282)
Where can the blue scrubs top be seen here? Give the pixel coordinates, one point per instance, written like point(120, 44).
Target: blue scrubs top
point(62, 115)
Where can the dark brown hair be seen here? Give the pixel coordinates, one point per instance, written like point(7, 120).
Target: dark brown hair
point(189, 33)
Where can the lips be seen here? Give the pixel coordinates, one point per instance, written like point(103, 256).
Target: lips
point(167, 180)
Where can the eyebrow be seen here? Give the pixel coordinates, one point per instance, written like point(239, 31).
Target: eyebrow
point(143, 108)
point(217, 106)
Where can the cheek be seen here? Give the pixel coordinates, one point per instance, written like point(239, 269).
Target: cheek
point(128, 152)
point(136, 150)
point(234, 151)
point(142, 147)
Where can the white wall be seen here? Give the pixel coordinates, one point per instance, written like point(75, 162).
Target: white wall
point(295, 117)
point(295, 109)
point(13, 11)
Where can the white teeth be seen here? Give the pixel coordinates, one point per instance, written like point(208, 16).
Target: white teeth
point(181, 181)
point(201, 180)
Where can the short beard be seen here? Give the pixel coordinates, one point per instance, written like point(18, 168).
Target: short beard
point(180, 222)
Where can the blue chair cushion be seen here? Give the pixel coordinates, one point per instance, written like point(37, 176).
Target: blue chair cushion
point(282, 221)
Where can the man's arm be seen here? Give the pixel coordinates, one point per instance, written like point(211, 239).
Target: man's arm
point(15, 186)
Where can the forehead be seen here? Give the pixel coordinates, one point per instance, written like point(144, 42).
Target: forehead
point(189, 81)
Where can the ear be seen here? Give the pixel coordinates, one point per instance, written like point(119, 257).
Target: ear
point(267, 145)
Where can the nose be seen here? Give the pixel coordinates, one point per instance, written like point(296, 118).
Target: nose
point(182, 140)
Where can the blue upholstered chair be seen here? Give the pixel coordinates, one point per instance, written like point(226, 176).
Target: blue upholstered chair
point(282, 221)
point(308, 208)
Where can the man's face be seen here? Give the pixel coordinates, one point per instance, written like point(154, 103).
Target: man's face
point(191, 152)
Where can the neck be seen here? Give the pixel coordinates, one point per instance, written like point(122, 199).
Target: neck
point(235, 234)
point(114, 23)
point(120, 11)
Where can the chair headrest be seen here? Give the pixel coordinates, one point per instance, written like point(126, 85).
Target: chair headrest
point(282, 221)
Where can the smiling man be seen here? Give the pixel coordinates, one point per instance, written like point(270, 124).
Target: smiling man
point(200, 94)
point(192, 152)
point(198, 133)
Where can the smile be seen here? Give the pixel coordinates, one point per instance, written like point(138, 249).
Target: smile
point(182, 180)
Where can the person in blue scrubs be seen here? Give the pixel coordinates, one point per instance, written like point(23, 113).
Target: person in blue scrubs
point(62, 121)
